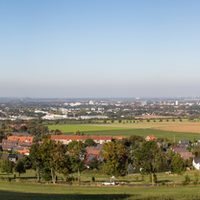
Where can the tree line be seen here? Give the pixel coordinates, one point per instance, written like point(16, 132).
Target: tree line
point(51, 159)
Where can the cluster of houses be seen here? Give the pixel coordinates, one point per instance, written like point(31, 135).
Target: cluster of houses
point(92, 152)
point(20, 145)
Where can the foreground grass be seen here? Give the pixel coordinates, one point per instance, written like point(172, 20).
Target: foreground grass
point(20, 191)
point(86, 177)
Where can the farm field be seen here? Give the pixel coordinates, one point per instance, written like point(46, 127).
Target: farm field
point(72, 128)
point(193, 127)
point(172, 130)
point(24, 191)
point(177, 126)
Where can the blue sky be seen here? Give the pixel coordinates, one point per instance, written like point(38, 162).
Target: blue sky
point(99, 48)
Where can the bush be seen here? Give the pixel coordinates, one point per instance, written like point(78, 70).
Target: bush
point(196, 178)
point(187, 180)
point(70, 179)
point(46, 174)
point(93, 179)
point(7, 166)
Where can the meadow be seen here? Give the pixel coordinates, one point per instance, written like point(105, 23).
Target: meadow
point(86, 178)
point(172, 130)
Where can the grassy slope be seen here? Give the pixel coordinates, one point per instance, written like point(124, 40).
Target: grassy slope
point(20, 191)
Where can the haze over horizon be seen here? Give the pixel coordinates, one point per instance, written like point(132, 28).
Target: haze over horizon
point(107, 48)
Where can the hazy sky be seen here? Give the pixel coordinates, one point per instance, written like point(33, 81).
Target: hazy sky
point(99, 48)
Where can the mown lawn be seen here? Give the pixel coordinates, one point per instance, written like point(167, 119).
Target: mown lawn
point(22, 191)
point(29, 189)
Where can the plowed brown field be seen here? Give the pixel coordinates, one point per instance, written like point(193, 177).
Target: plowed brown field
point(192, 127)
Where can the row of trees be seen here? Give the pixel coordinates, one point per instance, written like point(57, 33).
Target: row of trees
point(144, 157)
point(50, 159)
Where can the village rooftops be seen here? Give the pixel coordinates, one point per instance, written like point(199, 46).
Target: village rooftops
point(65, 139)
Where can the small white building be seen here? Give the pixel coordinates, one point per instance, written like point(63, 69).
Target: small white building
point(196, 163)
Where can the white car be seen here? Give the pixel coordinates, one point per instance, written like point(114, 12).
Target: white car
point(108, 183)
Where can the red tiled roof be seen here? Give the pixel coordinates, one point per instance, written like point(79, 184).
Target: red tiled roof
point(94, 150)
point(26, 139)
point(83, 137)
point(150, 138)
point(24, 151)
point(184, 153)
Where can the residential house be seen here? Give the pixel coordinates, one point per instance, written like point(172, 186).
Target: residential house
point(196, 163)
point(184, 153)
point(93, 152)
point(150, 138)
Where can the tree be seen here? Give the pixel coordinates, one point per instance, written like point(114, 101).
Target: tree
point(2, 135)
point(132, 144)
point(94, 163)
point(115, 158)
point(27, 162)
point(36, 159)
point(49, 158)
point(59, 160)
point(149, 159)
point(37, 129)
point(175, 163)
point(76, 151)
point(20, 167)
point(135, 139)
point(90, 142)
point(196, 151)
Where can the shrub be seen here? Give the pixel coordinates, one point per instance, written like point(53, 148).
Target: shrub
point(196, 178)
point(187, 180)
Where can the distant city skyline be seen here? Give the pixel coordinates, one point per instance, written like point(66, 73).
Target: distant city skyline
point(102, 48)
